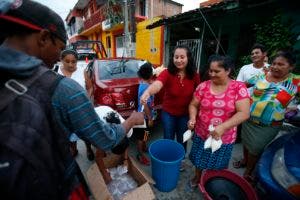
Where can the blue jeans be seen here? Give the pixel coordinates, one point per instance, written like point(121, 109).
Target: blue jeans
point(174, 125)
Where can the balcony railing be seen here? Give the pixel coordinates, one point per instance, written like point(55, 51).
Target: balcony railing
point(95, 18)
point(101, 15)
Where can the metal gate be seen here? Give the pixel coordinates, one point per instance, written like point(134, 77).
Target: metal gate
point(195, 47)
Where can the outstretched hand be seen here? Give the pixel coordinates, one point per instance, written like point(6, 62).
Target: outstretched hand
point(144, 98)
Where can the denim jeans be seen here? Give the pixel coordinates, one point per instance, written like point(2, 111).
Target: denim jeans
point(174, 125)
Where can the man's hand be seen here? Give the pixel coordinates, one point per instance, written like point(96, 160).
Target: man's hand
point(136, 118)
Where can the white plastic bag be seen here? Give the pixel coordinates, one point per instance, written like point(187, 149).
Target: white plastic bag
point(211, 142)
point(187, 135)
point(215, 145)
point(207, 143)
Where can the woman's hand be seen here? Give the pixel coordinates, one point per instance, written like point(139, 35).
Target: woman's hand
point(144, 98)
point(191, 124)
point(218, 132)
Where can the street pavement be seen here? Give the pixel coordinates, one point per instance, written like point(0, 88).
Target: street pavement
point(181, 191)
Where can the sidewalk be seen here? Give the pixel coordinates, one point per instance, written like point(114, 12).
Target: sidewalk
point(180, 192)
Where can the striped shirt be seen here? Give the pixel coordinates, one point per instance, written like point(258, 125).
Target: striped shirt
point(75, 113)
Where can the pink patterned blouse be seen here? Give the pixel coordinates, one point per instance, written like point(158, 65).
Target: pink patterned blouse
point(216, 109)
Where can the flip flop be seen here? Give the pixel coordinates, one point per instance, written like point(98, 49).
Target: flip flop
point(239, 164)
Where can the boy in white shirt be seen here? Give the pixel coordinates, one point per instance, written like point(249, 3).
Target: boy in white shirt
point(259, 66)
point(258, 55)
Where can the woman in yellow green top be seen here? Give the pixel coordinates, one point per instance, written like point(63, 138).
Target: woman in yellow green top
point(270, 94)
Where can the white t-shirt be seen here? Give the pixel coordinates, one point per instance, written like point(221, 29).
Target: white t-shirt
point(78, 76)
point(248, 71)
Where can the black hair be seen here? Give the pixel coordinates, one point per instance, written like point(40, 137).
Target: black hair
point(190, 68)
point(66, 52)
point(224, 61)
point(288, 55)
point(259, 46)
point(145, 72)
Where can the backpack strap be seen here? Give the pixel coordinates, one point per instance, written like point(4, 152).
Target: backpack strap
point(15, 87)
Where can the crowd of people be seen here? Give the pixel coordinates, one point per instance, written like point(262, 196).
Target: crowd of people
point(44, 114)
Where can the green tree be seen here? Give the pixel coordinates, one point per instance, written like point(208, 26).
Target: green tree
point(274, 34)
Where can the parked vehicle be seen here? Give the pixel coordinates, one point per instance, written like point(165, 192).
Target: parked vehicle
point(88, 49)
point(278, 170)
point(115, 83)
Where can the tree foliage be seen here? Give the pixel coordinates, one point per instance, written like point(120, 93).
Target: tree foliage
point(114, 11)
point(274, 34)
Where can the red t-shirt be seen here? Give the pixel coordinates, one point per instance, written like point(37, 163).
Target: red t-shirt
point(177, 94)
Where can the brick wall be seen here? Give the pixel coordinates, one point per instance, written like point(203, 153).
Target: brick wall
point(161, 7)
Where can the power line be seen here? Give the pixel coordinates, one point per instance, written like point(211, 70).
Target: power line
point(211, 30)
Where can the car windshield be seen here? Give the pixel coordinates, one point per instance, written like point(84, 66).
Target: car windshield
point(117, 69)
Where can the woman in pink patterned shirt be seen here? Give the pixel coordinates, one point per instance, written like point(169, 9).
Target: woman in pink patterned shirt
point(223, 103)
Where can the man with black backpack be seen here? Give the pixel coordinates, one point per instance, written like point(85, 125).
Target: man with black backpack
point(39, 109)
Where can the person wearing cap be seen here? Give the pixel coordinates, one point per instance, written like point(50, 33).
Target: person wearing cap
point(34, 36)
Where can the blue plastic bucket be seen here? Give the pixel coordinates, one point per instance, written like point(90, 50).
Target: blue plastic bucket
point(166, 156)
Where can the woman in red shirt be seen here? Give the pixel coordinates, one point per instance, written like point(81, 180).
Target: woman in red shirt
point(179, 82)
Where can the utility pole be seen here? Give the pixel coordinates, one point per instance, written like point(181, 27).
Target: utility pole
point(132, 29)
point(127, 39)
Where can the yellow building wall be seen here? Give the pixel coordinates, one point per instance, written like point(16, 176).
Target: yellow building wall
point(149, 42)
point(112, 42)
point(113, 32)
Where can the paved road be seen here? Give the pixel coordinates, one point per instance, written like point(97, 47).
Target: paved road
point(181, 191)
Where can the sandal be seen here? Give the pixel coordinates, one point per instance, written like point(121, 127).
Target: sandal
point(143, 159)
point(239, 164)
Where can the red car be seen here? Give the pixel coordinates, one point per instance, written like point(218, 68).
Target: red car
point(115, 83)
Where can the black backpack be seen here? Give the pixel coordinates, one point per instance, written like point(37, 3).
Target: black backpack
point(34, 150)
